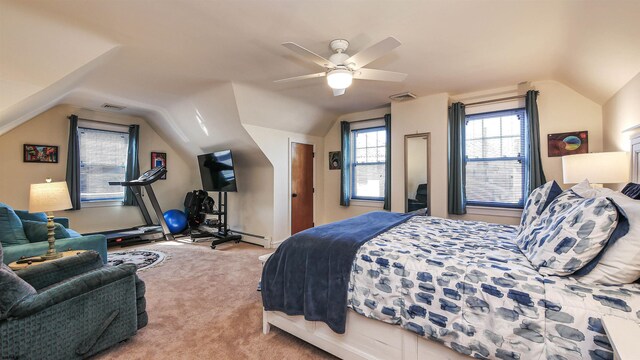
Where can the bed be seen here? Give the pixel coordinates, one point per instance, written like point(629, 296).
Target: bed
point(428, 287)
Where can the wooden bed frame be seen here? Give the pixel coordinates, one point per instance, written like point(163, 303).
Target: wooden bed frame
point(364, 339)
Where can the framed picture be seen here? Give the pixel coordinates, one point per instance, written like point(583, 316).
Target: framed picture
point(569, 143)
point(159, 159)
point(335, 160)
point(40, 153)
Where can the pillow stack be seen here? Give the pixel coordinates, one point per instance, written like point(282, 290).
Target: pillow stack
point(582, 232)
point(620, 260)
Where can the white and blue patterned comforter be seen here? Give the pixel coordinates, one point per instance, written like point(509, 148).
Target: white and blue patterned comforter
point(467, 285)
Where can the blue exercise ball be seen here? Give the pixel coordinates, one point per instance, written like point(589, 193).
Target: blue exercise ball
point(176, 220)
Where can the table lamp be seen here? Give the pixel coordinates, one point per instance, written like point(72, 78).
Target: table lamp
point(48, 197)
point(598, 168)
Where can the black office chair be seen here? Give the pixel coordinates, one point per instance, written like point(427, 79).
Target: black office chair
point(421, 200)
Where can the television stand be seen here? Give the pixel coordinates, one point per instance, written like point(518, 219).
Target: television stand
point(222, 238)
point(223, 234)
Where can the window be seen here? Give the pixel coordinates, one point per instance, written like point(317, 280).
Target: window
point(369, 155)
point(103, 158)
point(495, 161)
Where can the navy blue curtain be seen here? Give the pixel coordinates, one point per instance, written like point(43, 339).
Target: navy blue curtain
point(387, 165)
point(133, 167)
point(73, 163)
point(345, 172)
point(535, 173)
point(456, 156)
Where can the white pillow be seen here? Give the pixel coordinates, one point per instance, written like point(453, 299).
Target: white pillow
point(569, 233)
point(620, 262)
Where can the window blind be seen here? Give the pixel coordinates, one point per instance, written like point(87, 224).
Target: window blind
point(103, 158)
point(495, 161)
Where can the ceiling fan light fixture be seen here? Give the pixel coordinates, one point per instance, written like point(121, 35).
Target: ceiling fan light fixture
point(339, 78)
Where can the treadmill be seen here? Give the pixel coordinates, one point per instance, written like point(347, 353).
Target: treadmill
point(150, 231)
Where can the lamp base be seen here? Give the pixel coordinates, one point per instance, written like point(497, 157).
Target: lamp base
point(55, 255)
point(51, 252)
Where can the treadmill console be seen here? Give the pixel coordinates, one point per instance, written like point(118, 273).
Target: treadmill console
point(153, 174)
point(147, 178)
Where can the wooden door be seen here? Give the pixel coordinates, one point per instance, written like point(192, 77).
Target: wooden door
point(301, 187)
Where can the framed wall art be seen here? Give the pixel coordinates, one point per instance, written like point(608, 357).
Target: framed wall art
point(335, 160)
point(40, 153)
point(159, 159)
point(568, 143)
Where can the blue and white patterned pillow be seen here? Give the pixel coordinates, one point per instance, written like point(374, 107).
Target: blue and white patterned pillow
point(569, 233)
point(537, 202)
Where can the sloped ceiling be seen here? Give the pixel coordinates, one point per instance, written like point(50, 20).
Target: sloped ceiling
point(169, 51)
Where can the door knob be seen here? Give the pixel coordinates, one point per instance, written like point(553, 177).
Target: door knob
point(294, 195)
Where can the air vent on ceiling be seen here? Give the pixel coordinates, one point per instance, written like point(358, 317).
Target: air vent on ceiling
point(402, 96)
point(113, 107)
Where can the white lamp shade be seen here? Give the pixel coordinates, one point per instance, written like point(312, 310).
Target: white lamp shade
point(598, 168)
point(339, 78)
point(47, 197)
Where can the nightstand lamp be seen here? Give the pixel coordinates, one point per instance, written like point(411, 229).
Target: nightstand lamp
point(48, 197)
point(598, 168)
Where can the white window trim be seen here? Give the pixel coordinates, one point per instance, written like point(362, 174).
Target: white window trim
point(100, 125)
point(100, 203)
point(494, 211)
point(361, 125)
point(367, 203)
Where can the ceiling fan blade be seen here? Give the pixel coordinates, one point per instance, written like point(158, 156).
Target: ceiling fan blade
point(302, 77)
point(338, 92)
point(382, 75)
point(309, 55)
point(373, 52)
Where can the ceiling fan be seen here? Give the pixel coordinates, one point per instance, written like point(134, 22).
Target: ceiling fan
point(341, 68)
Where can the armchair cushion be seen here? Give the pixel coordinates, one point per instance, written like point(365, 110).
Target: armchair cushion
point(25, 215)
point(71, 288)
point(53, 272)
point(11, 232)
point(36, 231)
point(14, 289)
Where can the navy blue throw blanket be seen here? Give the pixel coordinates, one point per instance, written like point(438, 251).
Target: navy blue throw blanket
point(309, 273)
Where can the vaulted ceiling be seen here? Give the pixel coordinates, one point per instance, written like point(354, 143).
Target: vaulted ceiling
point(161, 53)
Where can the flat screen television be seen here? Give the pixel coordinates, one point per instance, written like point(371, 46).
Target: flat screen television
point(216, 171)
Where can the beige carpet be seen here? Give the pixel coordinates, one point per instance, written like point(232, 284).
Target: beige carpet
point(203, 304)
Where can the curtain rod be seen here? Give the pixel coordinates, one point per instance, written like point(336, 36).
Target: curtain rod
point(496, 100)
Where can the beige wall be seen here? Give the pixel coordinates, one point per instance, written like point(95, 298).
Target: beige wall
point(51, 128)
point(332, 209)
point(561, 109)
point(275, 144)
point(620, 113)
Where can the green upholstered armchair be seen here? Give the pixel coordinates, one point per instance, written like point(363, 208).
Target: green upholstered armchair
point(25, 234)
point(69, 308)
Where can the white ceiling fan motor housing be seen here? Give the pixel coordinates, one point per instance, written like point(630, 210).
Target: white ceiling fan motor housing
point(338, 58)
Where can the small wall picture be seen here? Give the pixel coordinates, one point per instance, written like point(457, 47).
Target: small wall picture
point(40, 153)
point(159, 159)
point(335, 160)
point(569, 143)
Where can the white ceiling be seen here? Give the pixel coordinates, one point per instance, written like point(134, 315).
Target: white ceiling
point(169, 50)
